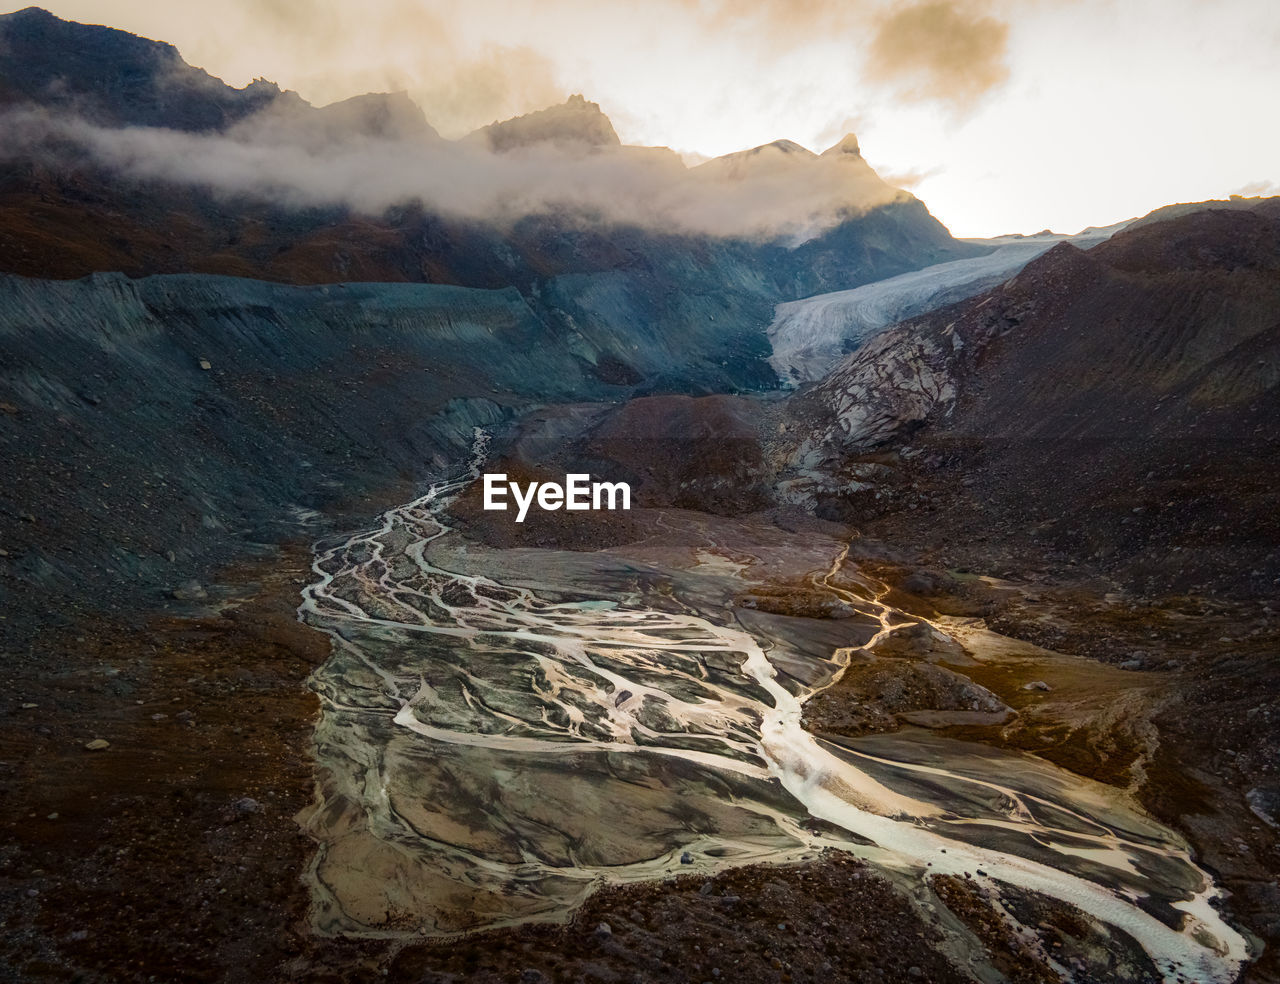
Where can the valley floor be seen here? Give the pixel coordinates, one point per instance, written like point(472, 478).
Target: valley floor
point(174, 854)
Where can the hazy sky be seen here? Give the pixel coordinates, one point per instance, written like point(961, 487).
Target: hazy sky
point(1002, 115)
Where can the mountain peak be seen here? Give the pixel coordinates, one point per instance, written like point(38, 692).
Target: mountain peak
point(388, 115)
point(576, 122)
point(848, 145)
point(29, 14)
point(788, 148)
point(765, 158)
point(785, 146)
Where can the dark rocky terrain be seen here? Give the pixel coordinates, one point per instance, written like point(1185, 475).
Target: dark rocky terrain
point(168, 424)
point(1115, 407)
point(1074, 474)
point(115, 77)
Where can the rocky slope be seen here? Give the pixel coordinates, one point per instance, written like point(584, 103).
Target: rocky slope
point(151, 428)
point(1085, 458)
point(1119, 405)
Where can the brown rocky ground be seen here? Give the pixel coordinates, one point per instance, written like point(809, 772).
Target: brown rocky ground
point(1174, 698)
point(172, 852)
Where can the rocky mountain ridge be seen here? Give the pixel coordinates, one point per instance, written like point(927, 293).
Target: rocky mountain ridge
point(69, 211)
point(576, 123)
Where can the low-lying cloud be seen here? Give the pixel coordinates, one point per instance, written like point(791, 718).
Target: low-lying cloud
point(773, 193)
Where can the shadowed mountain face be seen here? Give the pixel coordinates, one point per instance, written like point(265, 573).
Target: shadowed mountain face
point(225, 410)
point(114, 77)
point(70, 223)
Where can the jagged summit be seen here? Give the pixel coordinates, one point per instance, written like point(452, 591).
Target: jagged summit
point(840, 170)
point(577, 122)
point(848, 145)
point(115, 78)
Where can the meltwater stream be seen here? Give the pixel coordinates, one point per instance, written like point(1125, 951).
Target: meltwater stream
point(488, 756)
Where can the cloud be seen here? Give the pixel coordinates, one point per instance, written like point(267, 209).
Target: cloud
point(912, 178)
point(781, 22)
point(775, 195)
point(776, 65)
point(496, 84)
point(836, 129)
point(448, 55)
point(939, 50)
point(1258, 189)
point(341, 49)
